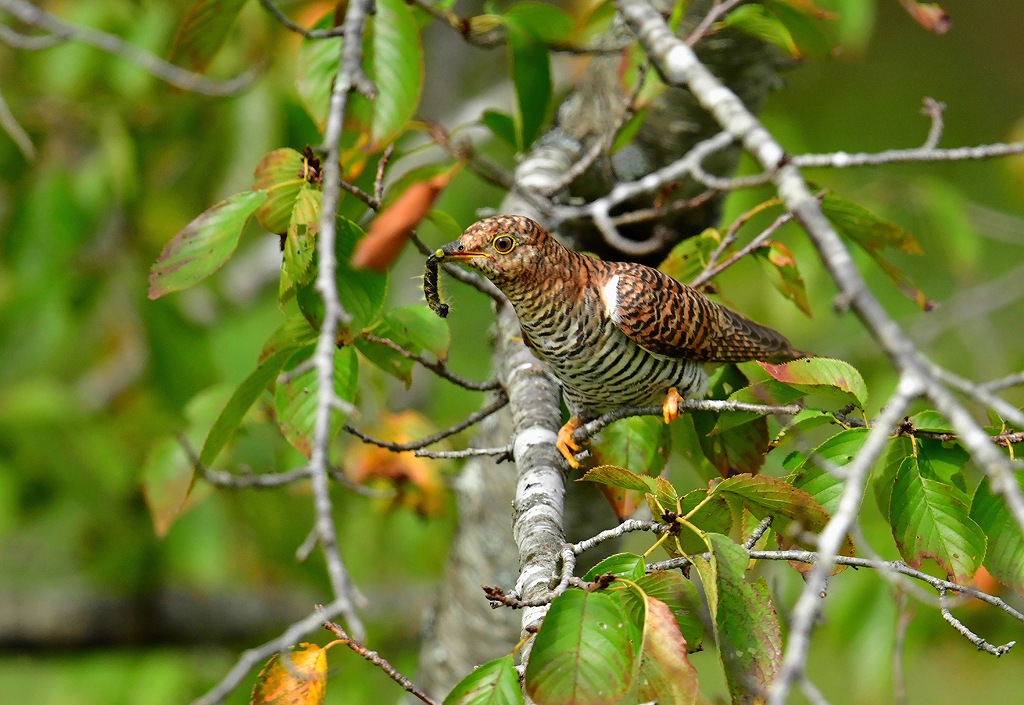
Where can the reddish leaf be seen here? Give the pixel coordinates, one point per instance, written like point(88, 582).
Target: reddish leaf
point(666, 674)
point(781, 267)
point(929, 15)
point(813, 373)
point(390, 230)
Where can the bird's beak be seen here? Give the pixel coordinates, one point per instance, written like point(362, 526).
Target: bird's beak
point(455, 250)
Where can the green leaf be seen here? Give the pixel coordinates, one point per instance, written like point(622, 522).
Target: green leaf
point(393, 59)
point(758, 21)
point(690, 257)
point(874, 235)
point(167, 476)
point(531, 77)
point(625, 565)
point(318, 63)
point(714, 516)
point(931, 421)
point(746, 623)
point(202, 32)
point(821, 374)
point(279, 174)
point(583, 652)
point(1004, 557)
point(682, 599)
point(930, 519)
point(640, 443)
point(548, 22)
point(620, 477)
point(421, 327)
point(768, 391)
point(297, 399)
point(502, 125)
point(740, 448)
point(666, 674)
point(804, 421)
point(783, 273)
point(383, 357)
point(294, 333)
point(494, 683)
point(896, 451)
point(244, 396)
point(204, 245)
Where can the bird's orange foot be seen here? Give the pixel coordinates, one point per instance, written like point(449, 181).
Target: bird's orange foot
point(566, 445)
point(670, 408)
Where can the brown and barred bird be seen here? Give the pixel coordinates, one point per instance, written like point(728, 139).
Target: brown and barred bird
point(613, 333)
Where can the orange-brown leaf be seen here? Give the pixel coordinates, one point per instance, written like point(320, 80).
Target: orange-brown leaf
point(305, 683)
point(390, 230)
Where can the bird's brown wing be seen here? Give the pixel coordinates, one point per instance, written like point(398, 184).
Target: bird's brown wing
point(672, 319)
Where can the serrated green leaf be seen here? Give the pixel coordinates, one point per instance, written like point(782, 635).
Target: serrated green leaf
point(930, 519)
point(583, 652)
point(625, 565)
point(874, 235)
point(931, 421)
point(820, 374)
point(531, 77)
point(1004, 556)
point(896, 450)
point(691, 256)
point(620, 477)
point(296, 400)
point(300, 242)
point(383, 357)
point(804, 421)
point(746, 623)
point(204, 245)
point(242, 399)
point(494, 683)
point(279, 174)
point(202, 32)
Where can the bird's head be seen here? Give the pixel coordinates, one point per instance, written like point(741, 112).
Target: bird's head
point(505, 248)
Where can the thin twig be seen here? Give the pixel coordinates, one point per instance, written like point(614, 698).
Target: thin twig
point(381, 663)
point(436, 366)
point(758, 242)
point(15, 131)
point(967, 633)
point(501, 454)
point(997, 385)
point(278, 14)
point(151, 63)
point(30, 42)
point(477, 416)
point(720, 8)
point(617, 532)
point(758, 532)
point(933, 110)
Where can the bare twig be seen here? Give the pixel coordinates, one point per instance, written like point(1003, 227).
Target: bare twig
point(435, 366)
point(758, 532)
point(279, 15)
point(502, 454)
point(719, 9)
point(761, 240)
point(381, 663)
point(15, 131)
point(1002, 383)
point(500, 402)
point(151, 63)
point(933, 110)
point(967, 633)
point(616, 532)
point(30, 42)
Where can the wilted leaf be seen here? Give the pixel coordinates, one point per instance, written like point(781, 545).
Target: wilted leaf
point(691, 256)
point(305, 683)
point(666, 674)
point(204, 245)
point(583, 652)
point(202, 32)
point(415, 483)
point(281, 175)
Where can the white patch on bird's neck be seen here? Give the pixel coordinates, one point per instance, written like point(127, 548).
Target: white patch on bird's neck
point(610, 297)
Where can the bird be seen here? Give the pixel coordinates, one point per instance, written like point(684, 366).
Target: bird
point(613, 334)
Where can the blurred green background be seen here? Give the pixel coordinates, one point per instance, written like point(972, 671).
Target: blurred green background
point(95, 379)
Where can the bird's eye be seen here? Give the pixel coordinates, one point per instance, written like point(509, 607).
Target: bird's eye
point(503, 244)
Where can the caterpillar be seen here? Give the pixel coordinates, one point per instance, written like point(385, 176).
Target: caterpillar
point(430, 290)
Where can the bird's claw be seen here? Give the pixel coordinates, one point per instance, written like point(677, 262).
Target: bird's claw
point(565, 443)
point(670, 408)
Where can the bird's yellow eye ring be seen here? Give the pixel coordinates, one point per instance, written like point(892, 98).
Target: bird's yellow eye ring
point(503, 244)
